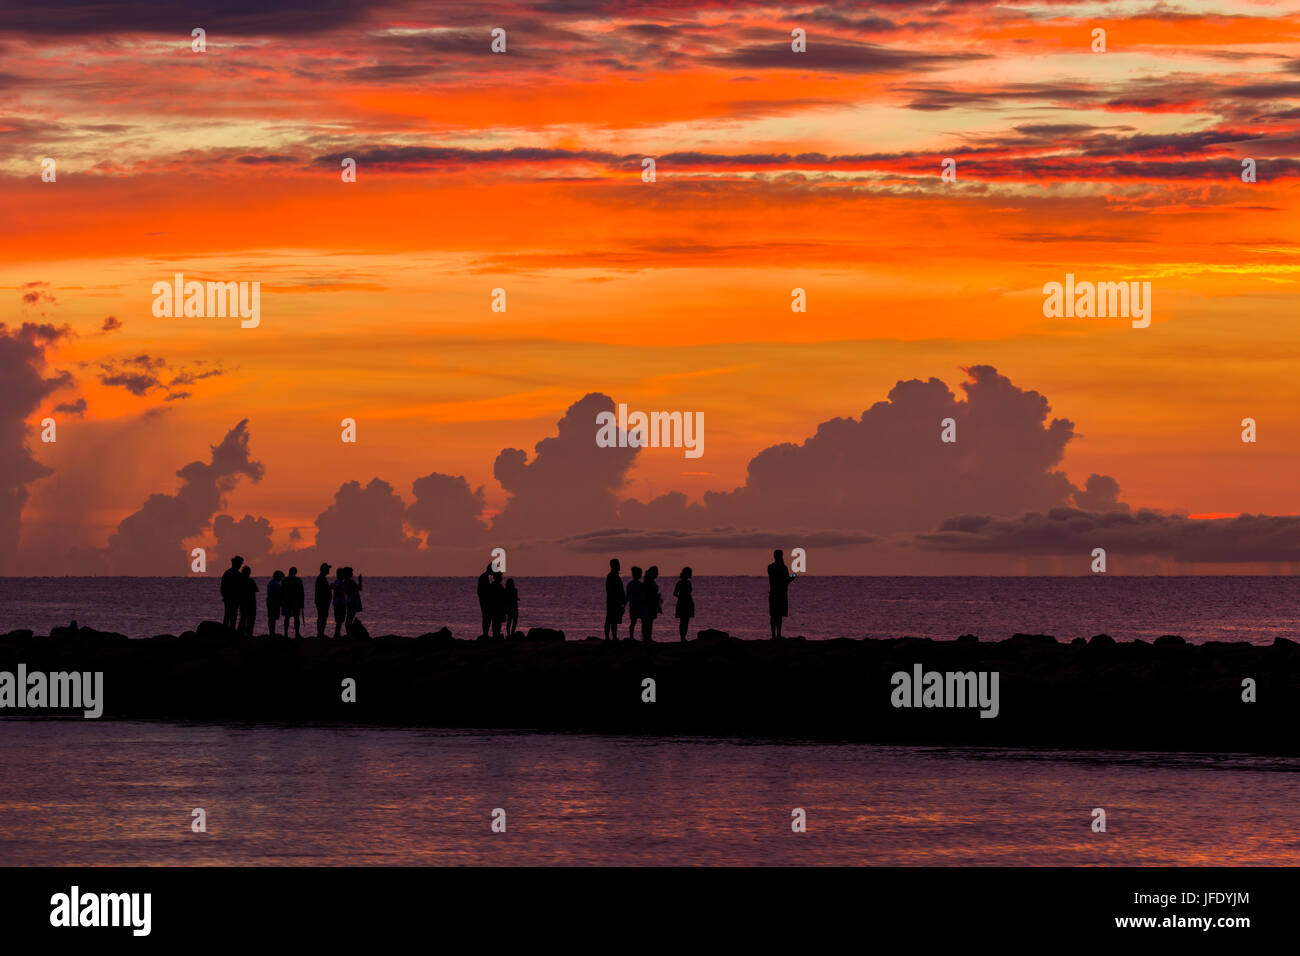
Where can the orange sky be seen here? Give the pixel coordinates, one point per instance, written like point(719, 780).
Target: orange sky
point(775, 170)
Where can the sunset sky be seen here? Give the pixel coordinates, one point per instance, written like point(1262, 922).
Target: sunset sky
point(774, 170)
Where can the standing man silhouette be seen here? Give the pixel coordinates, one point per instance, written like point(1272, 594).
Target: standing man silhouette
point(324, 598)
point(292, 599)
point(778, 583)
point(485, 598)
point(651, 601)
point(684, 593)
point(247, 600)
point(275, 602)
point(615, 599)
point(232, 592)
point(635, 603)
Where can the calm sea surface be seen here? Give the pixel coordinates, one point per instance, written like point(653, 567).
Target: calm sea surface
point(1254, 609)
point(78, 792)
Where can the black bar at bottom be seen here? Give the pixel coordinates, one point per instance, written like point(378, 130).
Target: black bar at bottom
point(635, 907)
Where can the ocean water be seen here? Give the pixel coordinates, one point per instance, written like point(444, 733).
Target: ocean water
point(1230, 608)
point(83, 793)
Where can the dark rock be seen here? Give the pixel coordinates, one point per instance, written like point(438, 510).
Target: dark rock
point(20, 635)
point(1169, 640)
point(357, 631)
point(910, 641)
point(544, 634)
point(712, 634)
point(215, 631)
point(441, 636)
point(1079, 642)
point(1101, 640)
point(968, 639)
point(90, 634)
point(1031, 640)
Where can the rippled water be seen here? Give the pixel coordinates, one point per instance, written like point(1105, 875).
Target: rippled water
point(85, 793)
point(1255, 609)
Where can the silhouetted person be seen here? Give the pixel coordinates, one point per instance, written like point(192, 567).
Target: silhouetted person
point(274, 601)
point(653, 602)
point(352, 595)
point(485, 598)
point(512, 607)
point(682, 590)
point(232, 592)
point(292, 600)
point(635, 602)
point(324, 597)
point(615, 600)
point(247, 601)
point(497, 603)
point(778, 583)
point(339, 590)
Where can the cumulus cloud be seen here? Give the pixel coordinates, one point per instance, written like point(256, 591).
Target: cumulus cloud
point(1099, 493)
point(151, 540)
point(364, 523)
point(888, 471)
point(447, 510)
point(571, 484)
point(248, 537)
point(23, 371)
point(111, 324)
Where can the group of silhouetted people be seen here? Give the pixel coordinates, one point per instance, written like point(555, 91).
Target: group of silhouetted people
point(643, 602)
point(498, 603)
point(286, 597)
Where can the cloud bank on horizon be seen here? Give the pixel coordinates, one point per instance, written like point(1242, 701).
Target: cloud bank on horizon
point(857, 492)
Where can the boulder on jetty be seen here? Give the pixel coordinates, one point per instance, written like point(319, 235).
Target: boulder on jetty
point(539, 635)
point(1103, 695)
